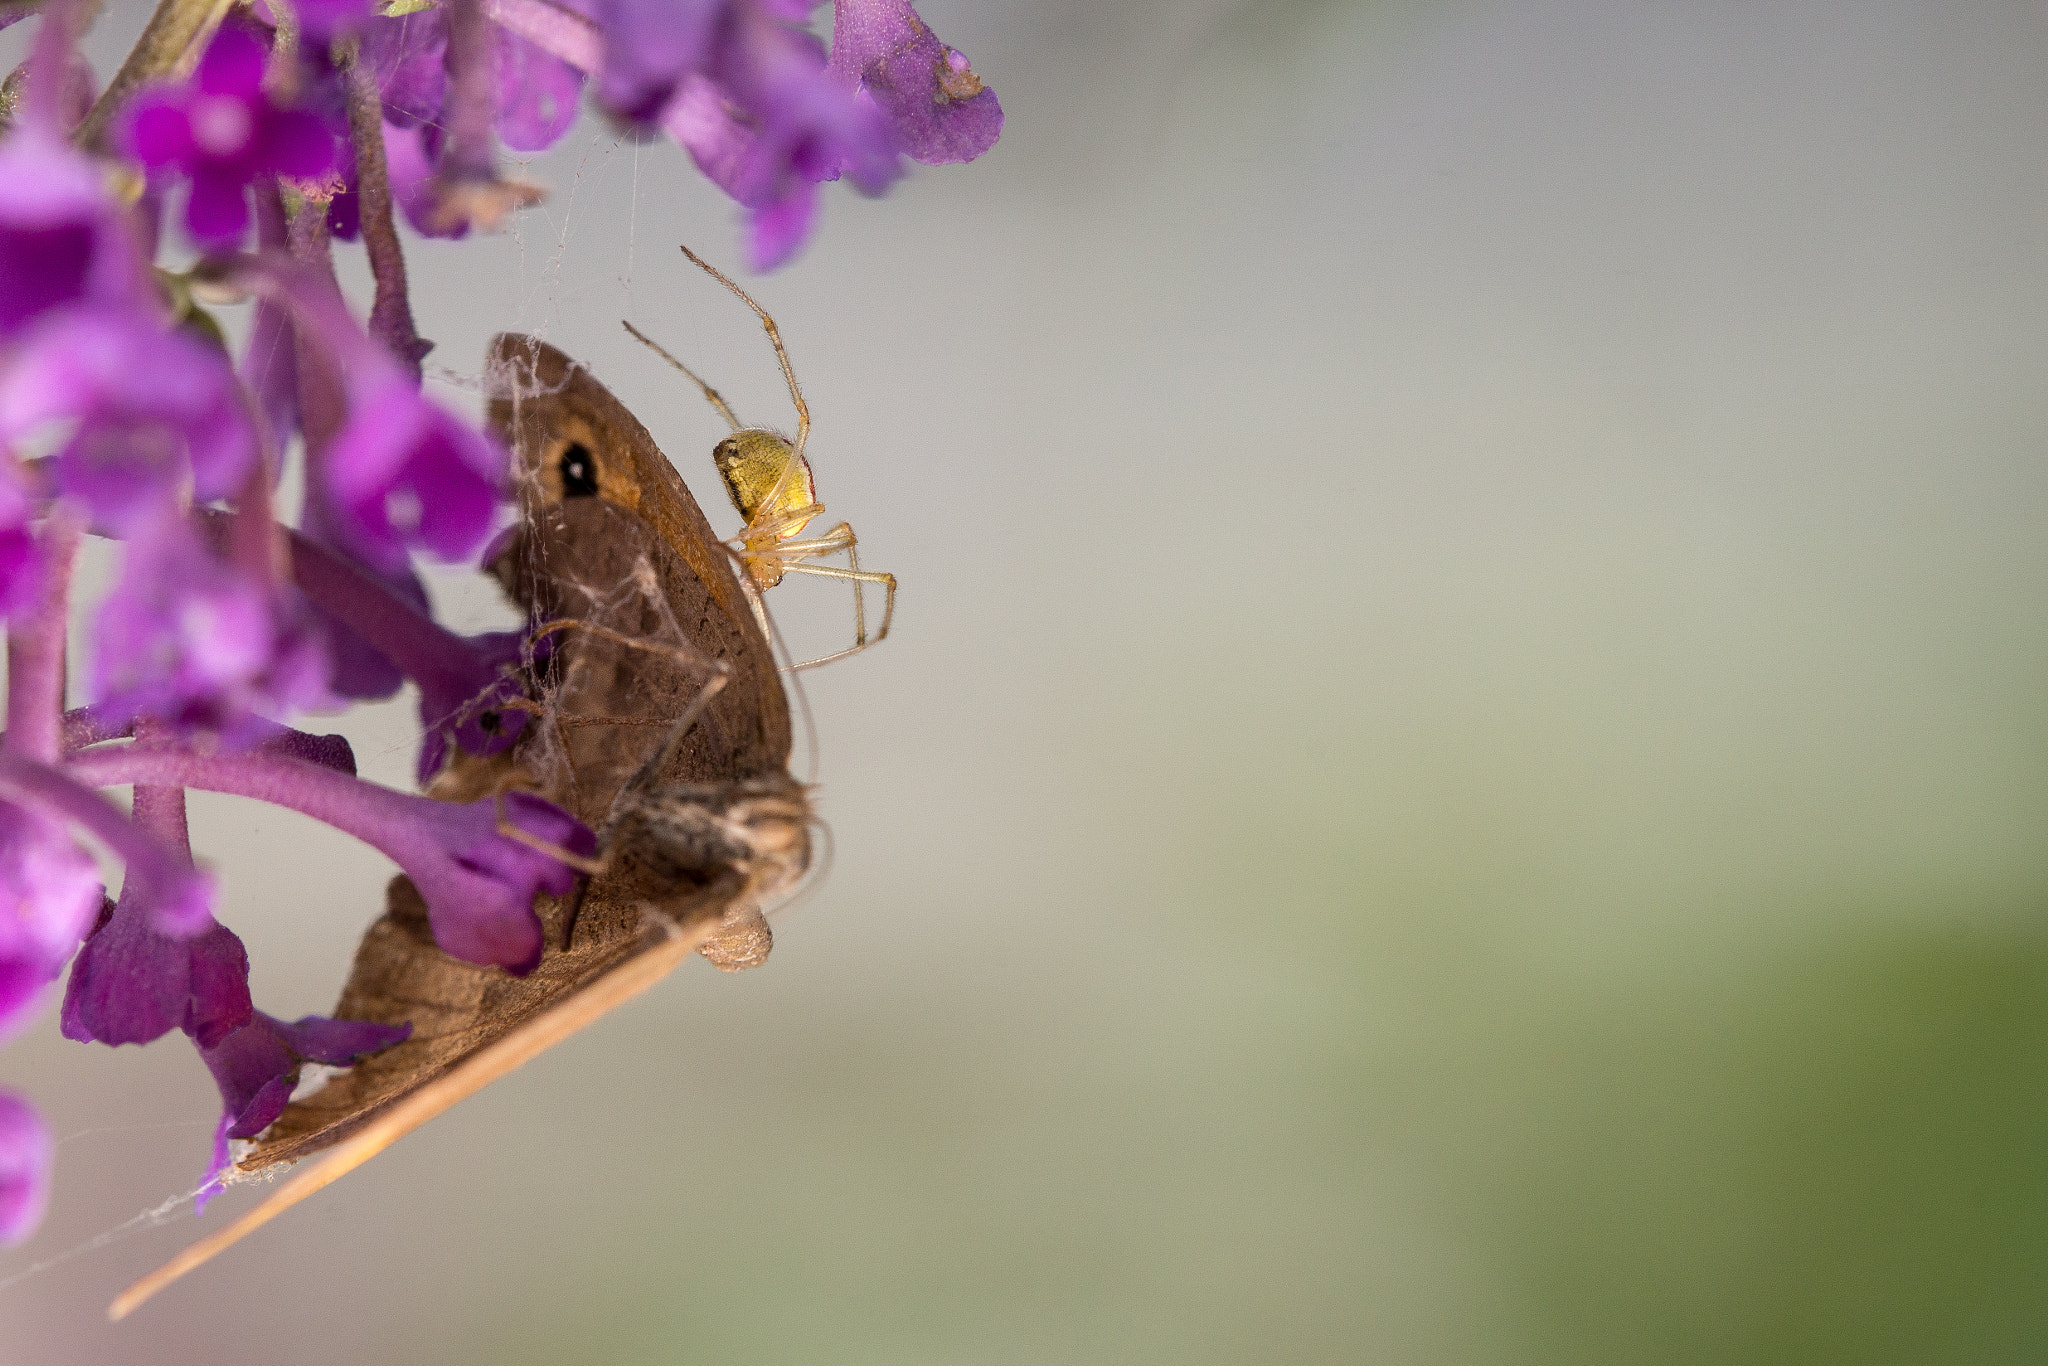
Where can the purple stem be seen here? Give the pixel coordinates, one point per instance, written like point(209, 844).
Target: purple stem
point(425, 651)
point(82, 728)
point(35, 649)
point(49, 66)
point(471, 150)
point(160, 810)
point(270, 370)
point(304, 283)
point(401, 825)
point(63, 794)
point(328, 751)
point(391, 311)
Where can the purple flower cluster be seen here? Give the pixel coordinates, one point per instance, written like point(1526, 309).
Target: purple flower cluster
point(123, 416)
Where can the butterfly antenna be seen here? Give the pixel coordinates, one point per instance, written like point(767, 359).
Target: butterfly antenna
point(796, 395)
point(717, 399)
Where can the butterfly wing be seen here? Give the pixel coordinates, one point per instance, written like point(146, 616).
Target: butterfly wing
point(634, 559)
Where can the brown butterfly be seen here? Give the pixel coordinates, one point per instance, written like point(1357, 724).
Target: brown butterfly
point(661, 723)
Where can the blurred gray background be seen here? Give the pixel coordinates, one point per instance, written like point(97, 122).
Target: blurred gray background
point(1460, 779)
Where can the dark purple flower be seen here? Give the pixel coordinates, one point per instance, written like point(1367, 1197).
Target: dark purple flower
point(157, 412)
point(223, 131)
point(27, 1153)
point(62, 236)
point(187, 639)
point(940, 110)
point(257, 1066)
point(406, 472)
point(49, 894)
point(132, 983)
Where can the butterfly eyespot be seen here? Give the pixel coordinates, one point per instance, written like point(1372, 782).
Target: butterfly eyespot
point(579, 471)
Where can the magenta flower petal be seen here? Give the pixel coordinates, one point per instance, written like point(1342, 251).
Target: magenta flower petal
point(190, 641)
point(231, 134)
point(154, 408)
point(472, 706)
point(776, 231)
point(132, 983)
point(257, 1066)
point(537, 95)
point(218, 209)
point(481, 904)
point(297, 144)
point(27, 1154)
point(62, 236)
point(405, 472)
point(409, 163)
point(49, 895)
point(478, 883)
point(938, 107)
point(159, 129)
point(332, 18)
point(406, 55)
point(773, 120)
point(232, 63)
point(650, 46)
point(19, 563)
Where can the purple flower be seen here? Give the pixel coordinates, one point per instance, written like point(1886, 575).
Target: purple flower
point(479, 889)
point(409, 154)
point(940, 110)
point(49, 893)
point(406, 55)
point(650, 46)
point(62, 237)
point(157, 412)
point(406, 472)
point(132, 983)
point(770, 125)
point(188, 640)
point(536, 91)
point(18, 560)
point(537, 95)
point(257, 1066)
point(27, 1153)
point(223, 131)
point(471, 701)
